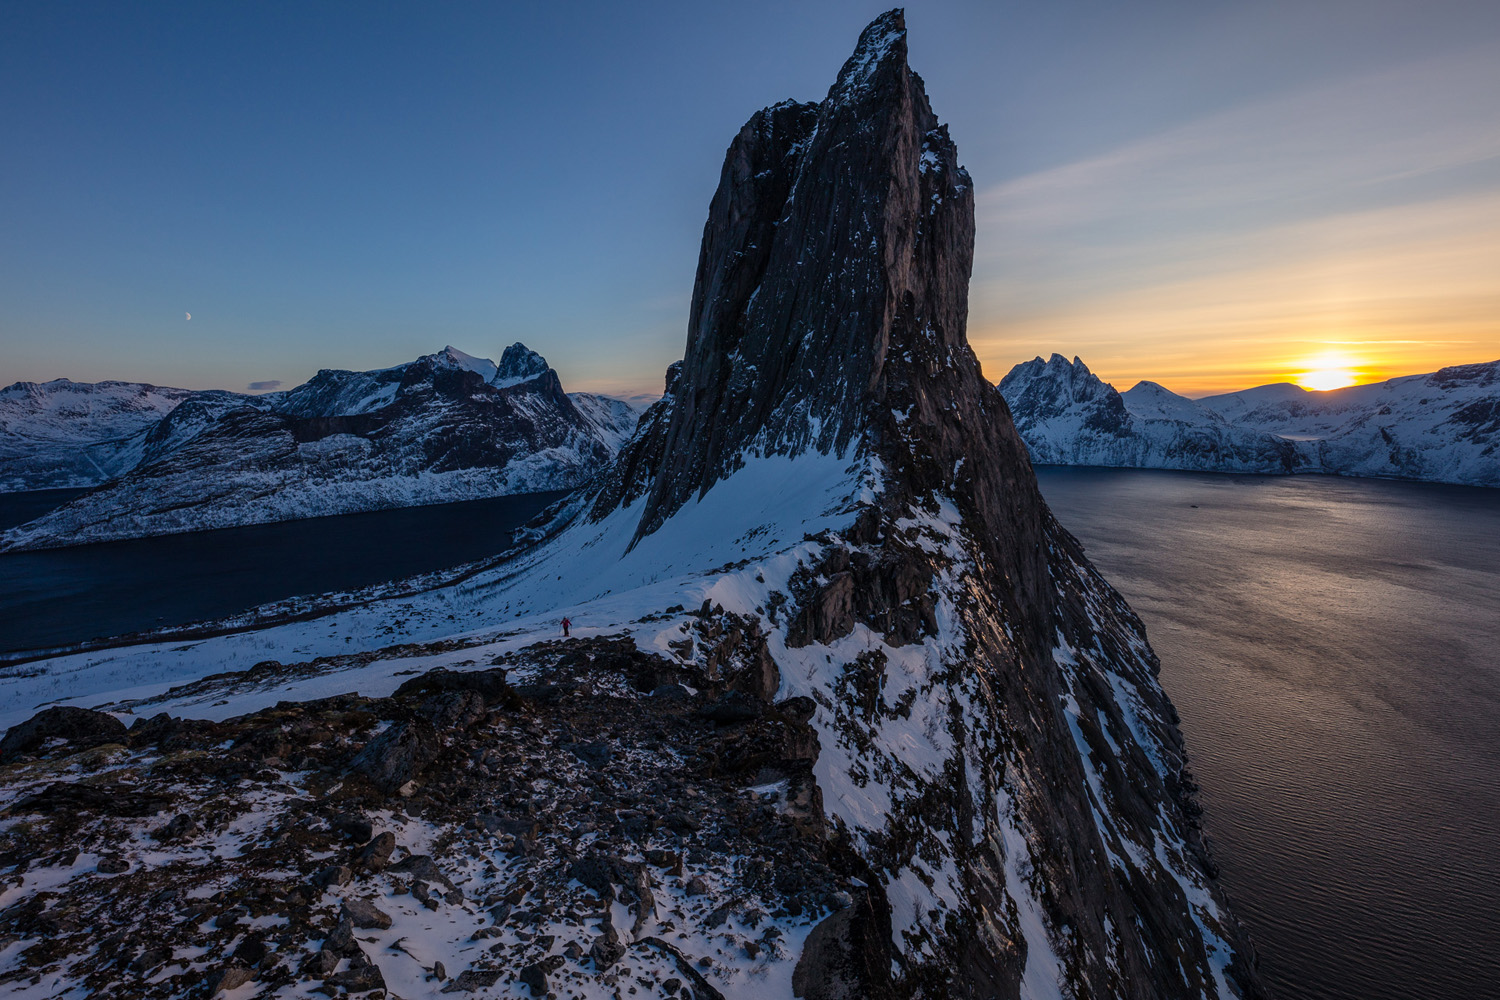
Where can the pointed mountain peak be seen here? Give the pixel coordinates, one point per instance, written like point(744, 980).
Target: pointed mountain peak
point(881, 44)
point(835, 262)
point(452, 357)
point(519, 364)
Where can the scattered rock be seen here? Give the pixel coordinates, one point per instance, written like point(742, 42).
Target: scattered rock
point(353, 826)
point(534, 976)
point(397, 755)
point(178, 828)
point(366, 915)
point(377, 853)
point(112, 864)
point(472, 980)
point(233, 977)
point(333, 875)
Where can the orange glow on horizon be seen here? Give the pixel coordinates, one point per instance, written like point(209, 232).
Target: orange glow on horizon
point(1331, 371)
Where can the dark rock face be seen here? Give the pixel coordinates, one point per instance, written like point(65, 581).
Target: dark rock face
point(835, 228)
point(519, 363)
point(829, 314)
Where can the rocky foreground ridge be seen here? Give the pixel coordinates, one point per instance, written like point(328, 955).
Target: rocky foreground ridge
point(447, 426)
point(1441, 427)
point(845, 712)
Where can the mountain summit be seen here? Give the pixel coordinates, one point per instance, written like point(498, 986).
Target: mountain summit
point(841, 235)
point(843, 712)
point(1057, 840)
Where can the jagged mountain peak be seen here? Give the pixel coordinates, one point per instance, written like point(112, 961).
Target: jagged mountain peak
point(892, 723)
point(452, 357)
point(840, 234)
point(882, 44)
point(519, 363)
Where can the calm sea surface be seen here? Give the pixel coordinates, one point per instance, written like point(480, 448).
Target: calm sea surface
point(68, 595)
point(1333, 647)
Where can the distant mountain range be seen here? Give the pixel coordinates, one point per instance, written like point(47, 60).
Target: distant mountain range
point(447, 426)
point(1440, 427)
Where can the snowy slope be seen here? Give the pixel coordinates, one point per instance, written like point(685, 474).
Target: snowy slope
point(615, 418)
point(445, 427)
point(67, 434)
point(1442, 427)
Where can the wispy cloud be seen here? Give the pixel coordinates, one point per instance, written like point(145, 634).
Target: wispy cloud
point(265, 386)
point(1366, 211)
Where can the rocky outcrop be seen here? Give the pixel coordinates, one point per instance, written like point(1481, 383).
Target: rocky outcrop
point(64, 723)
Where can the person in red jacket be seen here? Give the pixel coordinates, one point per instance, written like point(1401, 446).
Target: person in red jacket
point(565, 624)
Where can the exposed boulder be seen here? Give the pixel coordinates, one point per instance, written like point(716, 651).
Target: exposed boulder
point(74, 726)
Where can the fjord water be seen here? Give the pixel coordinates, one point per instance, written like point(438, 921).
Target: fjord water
point(1333, 648)
point(58, 596)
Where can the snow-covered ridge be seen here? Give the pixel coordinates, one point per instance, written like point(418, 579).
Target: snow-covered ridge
point(1440, 427)
point(447, 426)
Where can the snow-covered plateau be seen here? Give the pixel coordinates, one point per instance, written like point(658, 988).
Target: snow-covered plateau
point(839, 709)
point(445, 427)
point(1440, 427)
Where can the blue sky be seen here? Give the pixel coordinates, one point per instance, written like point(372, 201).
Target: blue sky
point(1202, 193)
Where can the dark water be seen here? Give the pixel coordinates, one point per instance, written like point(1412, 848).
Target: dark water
point(1333, 647)
point(68, 595)
point(18, 508)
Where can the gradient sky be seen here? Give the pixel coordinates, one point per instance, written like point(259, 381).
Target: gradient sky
point(1207, 194)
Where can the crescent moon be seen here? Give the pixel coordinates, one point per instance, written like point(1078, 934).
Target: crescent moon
point(189, 315)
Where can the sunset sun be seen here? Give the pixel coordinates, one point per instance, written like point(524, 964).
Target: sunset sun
point(1329, 372)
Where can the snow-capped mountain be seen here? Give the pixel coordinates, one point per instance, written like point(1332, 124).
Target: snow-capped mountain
point(1067, 416)
point(445, 427)
point(62, 434)
point(1442, 427)
point(844, 711)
